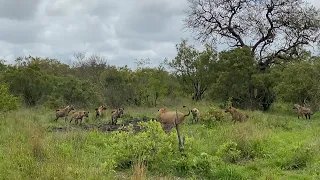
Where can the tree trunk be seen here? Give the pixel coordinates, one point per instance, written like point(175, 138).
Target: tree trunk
point(197, 96)
point(198, 92)
point(156, 99)
point(265, 97)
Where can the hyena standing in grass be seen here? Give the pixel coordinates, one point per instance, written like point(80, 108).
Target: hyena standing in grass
point(303, 111)
point(115, 114)
point(236, 115)
point(79, 116)
point(99, 111)
point(63, 112)
point(195, 115)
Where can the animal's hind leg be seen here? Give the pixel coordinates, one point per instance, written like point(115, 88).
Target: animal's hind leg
point(179, 138)
point(178, 132)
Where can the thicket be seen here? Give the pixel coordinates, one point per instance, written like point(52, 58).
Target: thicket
point(229, 75)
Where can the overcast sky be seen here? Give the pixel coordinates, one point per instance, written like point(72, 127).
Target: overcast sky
point(120, 30)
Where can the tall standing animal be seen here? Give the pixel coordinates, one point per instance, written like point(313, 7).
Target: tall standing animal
point(303, 111)
point(64, 112)
point(236, 115)
point(99, 111)
point(172, 118)
point(115, 114)
point(79, 115)
point(195, 115)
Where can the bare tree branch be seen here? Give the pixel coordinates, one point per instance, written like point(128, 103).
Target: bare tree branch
point(272, 28)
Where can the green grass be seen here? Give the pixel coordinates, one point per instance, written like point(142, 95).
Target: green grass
point(270, 145)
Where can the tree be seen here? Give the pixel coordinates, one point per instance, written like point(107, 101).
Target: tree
point(28, 80)
point(117, 86)
point(89, 67)
point(234, 77)
point(152, 84)
point(271, 28)
point(275, 30)
point(300, 82)
point(72, 90)
point(194, 68)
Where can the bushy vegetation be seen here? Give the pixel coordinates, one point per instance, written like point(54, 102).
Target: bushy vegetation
point(50, 83)
point(8, 101)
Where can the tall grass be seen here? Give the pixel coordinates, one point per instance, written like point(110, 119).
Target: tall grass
point(139, 171)
point(268, 146)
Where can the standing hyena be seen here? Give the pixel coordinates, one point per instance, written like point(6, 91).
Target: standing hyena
point(99, 111)
point(302, 111)
point(115, 114)
point(195, 115)
point(63, 112)
point(79, 116)
point(236, 115)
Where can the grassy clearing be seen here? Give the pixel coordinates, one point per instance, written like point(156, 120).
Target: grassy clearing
point(270, 145)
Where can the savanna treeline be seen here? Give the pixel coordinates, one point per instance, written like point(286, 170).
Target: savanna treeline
point(198, 75)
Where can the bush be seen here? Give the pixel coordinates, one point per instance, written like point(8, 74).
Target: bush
point(213, 116)
point(8, 101)
point(298, 159)
point(219, 115)
point(280, 107)
point(228, 152)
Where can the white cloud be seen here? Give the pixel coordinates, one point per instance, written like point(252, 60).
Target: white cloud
point(122, 30)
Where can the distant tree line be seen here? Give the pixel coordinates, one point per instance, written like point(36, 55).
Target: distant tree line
point(197, 75)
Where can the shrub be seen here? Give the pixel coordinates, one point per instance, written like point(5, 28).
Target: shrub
point(298, 159)
point(212, 116)
point(197, 165)
point(228, 152)
point(219, 115)
point(8, 101)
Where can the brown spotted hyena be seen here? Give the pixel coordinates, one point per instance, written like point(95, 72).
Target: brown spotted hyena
point(63, 112)
point(236, 115)
point(115, 114)
point(302, 111)
point(79, 115)
point(99, 111)
point(195, 115)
